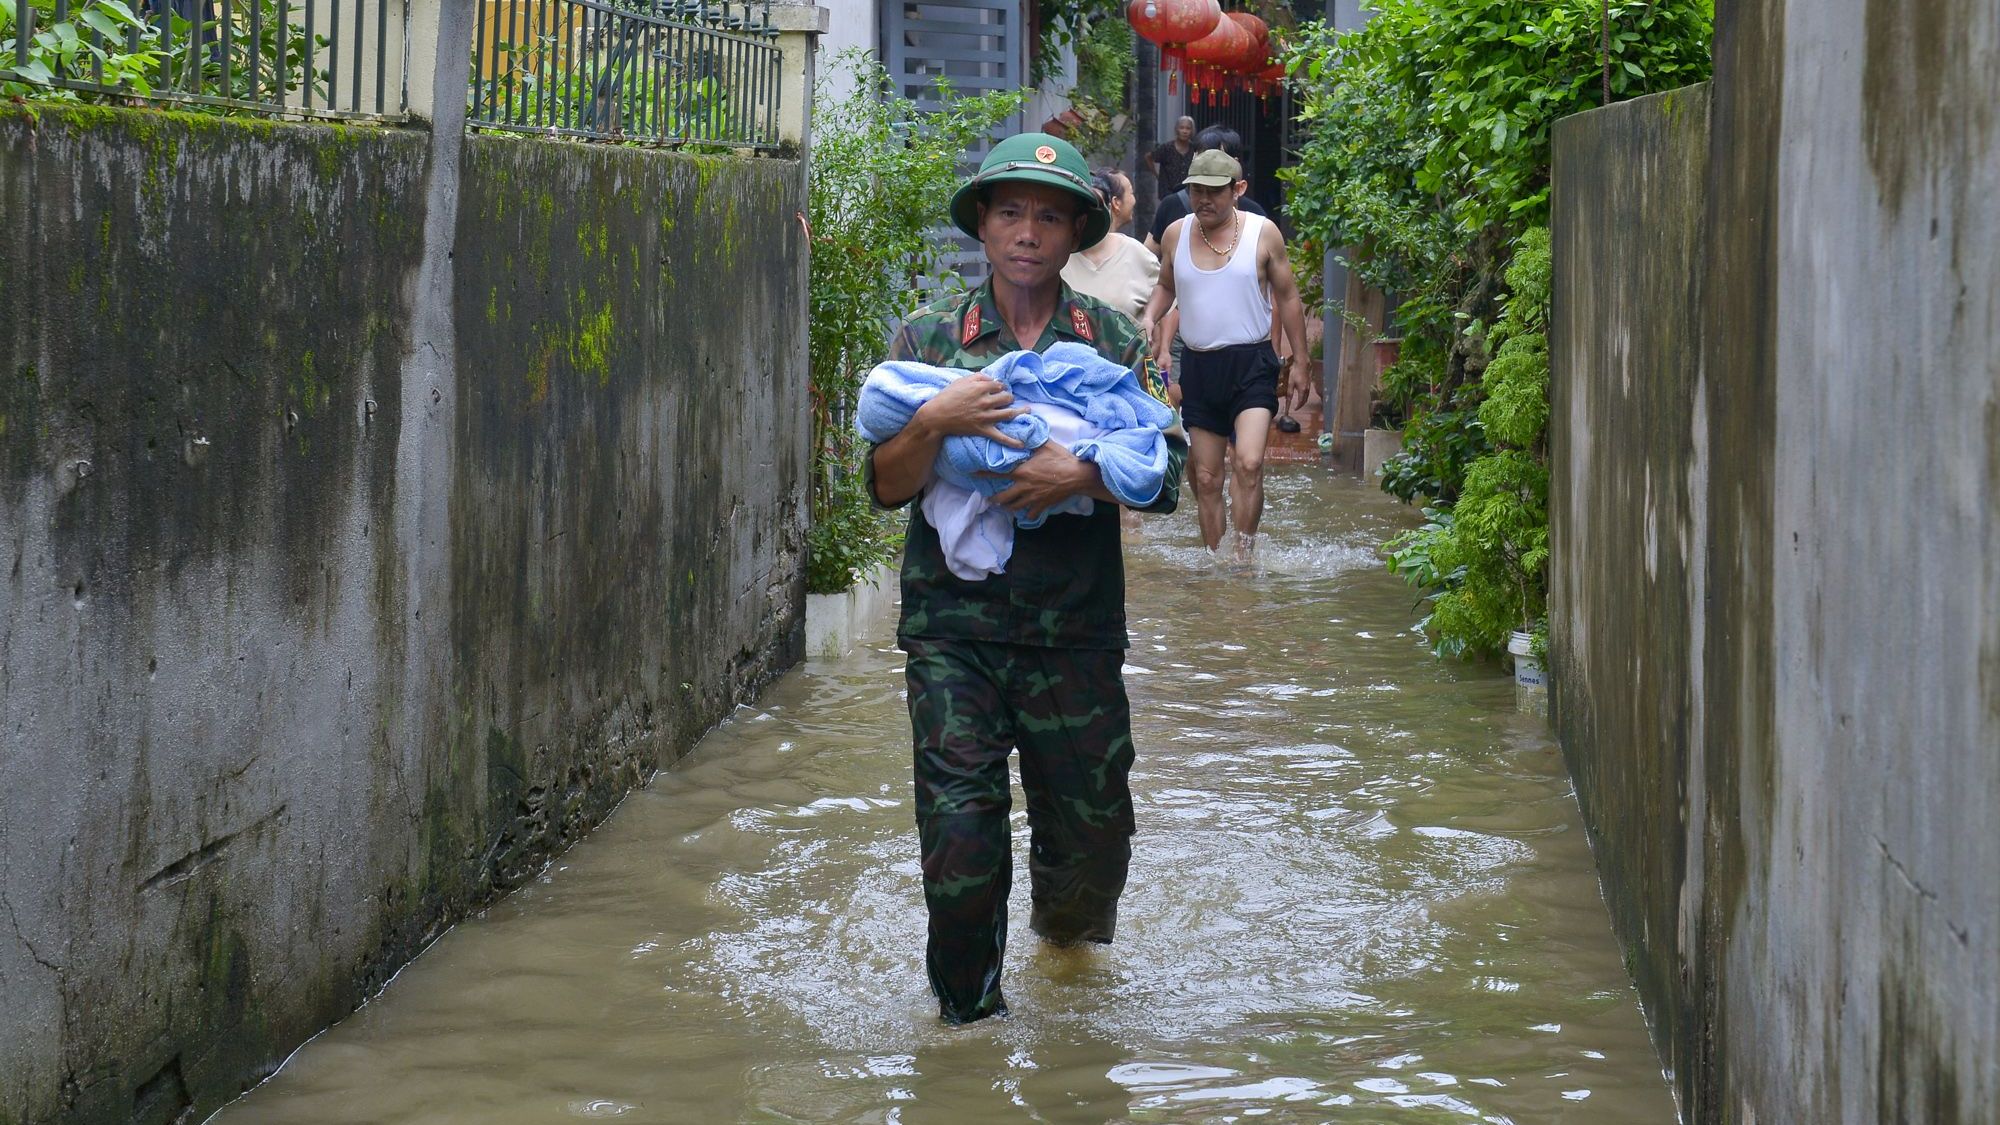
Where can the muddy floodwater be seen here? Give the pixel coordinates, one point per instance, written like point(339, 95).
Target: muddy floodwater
point(1360, 893)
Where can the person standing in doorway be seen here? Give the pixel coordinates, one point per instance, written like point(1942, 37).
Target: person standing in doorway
point(1030, 658)
point(1227, 272)
point(1169, 162)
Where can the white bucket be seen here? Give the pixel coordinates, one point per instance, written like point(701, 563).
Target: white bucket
point(1531, 683)
point(1527, 670)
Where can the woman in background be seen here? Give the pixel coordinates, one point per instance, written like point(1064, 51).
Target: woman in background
point(1119, 271)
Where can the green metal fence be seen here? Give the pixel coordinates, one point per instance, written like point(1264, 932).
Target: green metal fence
point(309, 58)
point(646, 71)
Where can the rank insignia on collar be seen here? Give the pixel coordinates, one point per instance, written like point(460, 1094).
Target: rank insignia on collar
point(1081, 323)
point(969, 330)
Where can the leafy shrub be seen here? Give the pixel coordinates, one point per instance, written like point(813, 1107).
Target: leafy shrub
point(105, 43)
point(1424, 146)
point(1103, 64)
point(1516, 410)
point(1516, 382)
point(1414, 379)
point(1438, 445)
point(1062, 23)
point(1480, 562)
point(68, 47)
point(882, 171)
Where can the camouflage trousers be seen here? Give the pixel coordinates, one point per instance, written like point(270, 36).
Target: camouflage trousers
point(971, 704)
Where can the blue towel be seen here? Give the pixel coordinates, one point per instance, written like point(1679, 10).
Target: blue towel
point(1131, 453)
point(1128, 446)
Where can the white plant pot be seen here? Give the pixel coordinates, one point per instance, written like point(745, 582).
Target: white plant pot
point(1377, 446)
point(835, 623)
point(1528, 671)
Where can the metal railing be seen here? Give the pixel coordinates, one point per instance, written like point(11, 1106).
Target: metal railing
point(308, 58)
point(647, 71)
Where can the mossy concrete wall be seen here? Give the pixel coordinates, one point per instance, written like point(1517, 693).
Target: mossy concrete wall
point(1625, 321)
point(1775, 591)
point(376, 508)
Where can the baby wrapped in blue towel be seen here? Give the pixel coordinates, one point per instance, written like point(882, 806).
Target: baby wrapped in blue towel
point(1090, 405)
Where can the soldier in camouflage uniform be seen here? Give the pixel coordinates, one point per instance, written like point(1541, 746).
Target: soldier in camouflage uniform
point(1030, 658)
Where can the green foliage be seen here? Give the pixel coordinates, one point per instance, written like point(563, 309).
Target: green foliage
point(1416, 377)
point(881, 173)
point(1104, 54)
point(1481, 561)
point(849, 535)
point(1423, 142)
point(1104, 57)
point(69, 48)
point(1064, 22)
point(1308, 266)
point(280, 51)
point(1438, 445)
point(1516, 409)
point(1443, 109)
point(1424, 147)
point(1361, 139)
point(107, 37)
point(1516, 383)
point(1530, 286)
point(607, 84)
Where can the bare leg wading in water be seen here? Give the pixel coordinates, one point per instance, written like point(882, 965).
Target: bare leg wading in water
point(1209, 459)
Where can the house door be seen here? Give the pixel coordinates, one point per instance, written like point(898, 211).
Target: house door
point(980, 45)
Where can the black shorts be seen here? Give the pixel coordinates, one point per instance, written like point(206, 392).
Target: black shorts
point(1218, 385)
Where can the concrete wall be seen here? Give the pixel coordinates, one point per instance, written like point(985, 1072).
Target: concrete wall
point(1776, 589)
point(1626, 506)
point(376, 508)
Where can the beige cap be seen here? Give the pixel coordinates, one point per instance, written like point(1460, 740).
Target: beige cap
point(1214, 168)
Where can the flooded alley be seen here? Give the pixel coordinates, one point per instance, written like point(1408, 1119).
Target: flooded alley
point(1360, 893)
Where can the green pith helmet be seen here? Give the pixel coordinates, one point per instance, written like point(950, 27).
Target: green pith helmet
point(1035, 158)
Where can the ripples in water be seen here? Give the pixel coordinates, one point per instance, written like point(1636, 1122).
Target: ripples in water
point(1359, 893)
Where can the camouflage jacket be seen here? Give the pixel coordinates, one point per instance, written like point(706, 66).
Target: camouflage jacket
point(1064, 587)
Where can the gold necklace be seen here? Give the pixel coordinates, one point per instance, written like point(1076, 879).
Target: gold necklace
point(1233, 238)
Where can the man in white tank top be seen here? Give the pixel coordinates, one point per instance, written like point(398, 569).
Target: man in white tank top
point(1227, 270)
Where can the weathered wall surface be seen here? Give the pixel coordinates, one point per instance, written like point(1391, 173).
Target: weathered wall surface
point(1626, 572)
point(1886, 573)
point(370, 522)
point(1777, 581)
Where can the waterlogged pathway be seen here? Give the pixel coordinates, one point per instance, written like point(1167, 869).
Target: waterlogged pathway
point(1360, 893)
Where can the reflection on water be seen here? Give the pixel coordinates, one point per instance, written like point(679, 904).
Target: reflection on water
point(1360, 893)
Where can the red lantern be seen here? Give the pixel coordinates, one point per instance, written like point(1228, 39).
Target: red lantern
point(1243, 70)
point(1260, 36)
point(1211, 57)
point(1269, 79)
point(1173, 24)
